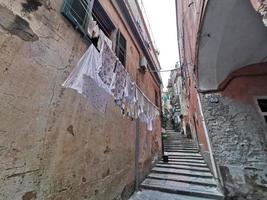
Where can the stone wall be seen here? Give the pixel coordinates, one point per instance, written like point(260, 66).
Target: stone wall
point(53, 143)
point(238, 136)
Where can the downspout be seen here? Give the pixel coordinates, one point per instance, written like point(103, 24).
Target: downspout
point(137, 152)
point(137, 142)
point(214, 169)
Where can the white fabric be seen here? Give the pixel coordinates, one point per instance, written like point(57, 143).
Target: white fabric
point(87, 65)
point(146, 111)
point(129, 91)
point(106, 69)
point(93, 76)
point(119, 82)
point(151, 116)
point(85, 81)
point(140, 106)
point(93, 29)
point(96, 95)
point(103, 38)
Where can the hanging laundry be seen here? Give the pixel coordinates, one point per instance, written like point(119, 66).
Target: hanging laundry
point(119, 81)
point(97, 75)
point(118, 86)
point(131, 110)
point(93, 29)
point(103, 38)
point(106, 69)
point(87, 65)
point(96, 95)
point(140, 106)
point(150, 117)
point(85, 81)
point(130, 91)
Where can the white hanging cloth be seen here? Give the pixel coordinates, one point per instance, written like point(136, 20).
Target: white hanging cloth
point(103, 38)
point(129, 91)
point(96, 95)
point(85, 81)
point(107, 66)
point(98, 75)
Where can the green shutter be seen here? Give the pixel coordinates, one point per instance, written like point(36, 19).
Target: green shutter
point(121, 48)
point(75, 12)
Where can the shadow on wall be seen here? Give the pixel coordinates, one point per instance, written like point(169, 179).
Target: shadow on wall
point(188, 131)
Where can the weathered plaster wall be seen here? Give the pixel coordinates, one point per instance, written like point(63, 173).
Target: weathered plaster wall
point(238, 135)
point(236, 129)
point(53, 143)
point(222, 48)
point(188, 19)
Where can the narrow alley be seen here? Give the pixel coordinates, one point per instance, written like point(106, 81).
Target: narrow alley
point(133, 99)
point(185, 175)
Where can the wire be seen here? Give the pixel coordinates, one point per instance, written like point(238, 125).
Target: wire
point(167, 70)
point(82, 3)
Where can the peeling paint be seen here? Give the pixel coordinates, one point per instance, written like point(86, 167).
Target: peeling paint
point(31, 5)
point(16, 25)
point(29, 196)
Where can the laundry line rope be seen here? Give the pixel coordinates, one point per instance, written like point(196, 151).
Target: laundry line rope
point(83, 3)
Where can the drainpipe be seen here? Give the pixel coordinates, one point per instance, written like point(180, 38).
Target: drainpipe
point(214, 169)
point(137, 151)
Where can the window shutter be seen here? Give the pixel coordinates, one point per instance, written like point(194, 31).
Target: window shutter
point(121, 47)
point(76, 12)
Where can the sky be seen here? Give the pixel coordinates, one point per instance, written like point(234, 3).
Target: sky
point(162, 18)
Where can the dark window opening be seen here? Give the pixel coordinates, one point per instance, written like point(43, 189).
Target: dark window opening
point(156, 99)
point(263, 104)
point(265, 117)
point(121, 48)
point(76, 12)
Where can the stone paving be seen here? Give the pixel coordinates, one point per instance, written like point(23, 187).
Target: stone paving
point(185, 177)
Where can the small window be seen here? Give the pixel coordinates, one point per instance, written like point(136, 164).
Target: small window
point(121, 48)
point(77, 12)
point(262, 103)
point(156, 99)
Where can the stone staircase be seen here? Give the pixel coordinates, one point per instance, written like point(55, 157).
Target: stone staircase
point(185, 177)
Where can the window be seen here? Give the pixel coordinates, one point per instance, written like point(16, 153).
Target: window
point(156, 99)
point(76, 12)
point(262, 103)
point(121, 48)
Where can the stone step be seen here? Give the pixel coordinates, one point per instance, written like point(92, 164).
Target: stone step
point(179, 139)
point(181, 188)
point(187, 163)
point(186, 179)
point(182, 172)
point(157, 195)
point(183, 154)
point(180, 150)
point(181, 147)
point(175, 166)
point(184, 157)
point(186, 160)
point(179, 142)
point(186, 147)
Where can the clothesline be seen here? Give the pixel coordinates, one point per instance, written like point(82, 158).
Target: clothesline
point(146, 97)
point(98, 75)
point(107, 76)
point(91, 13)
